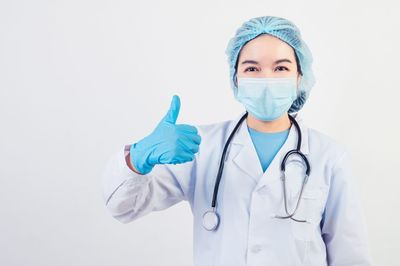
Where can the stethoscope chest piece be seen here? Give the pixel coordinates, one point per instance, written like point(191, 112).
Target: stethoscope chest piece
point(210, 220)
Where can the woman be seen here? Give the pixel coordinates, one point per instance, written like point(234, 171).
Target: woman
point(253, 218)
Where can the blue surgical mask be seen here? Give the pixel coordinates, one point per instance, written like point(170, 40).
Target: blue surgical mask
point(267, 98)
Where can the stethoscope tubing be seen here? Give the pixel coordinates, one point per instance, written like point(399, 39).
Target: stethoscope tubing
point(222, 162)
point(297, 151)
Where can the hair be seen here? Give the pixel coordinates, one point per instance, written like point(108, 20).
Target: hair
point(298, 63)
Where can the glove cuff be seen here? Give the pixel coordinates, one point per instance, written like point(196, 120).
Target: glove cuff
point(139, 159)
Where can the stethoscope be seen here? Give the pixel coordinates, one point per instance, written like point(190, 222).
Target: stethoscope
point(211, 218)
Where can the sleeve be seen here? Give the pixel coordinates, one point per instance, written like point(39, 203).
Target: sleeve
point(343, 226)
point(129, 195)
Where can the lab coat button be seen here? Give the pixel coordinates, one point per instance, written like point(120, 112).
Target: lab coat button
point(256, 248)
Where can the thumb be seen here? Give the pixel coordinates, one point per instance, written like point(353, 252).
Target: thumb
point(173, 111)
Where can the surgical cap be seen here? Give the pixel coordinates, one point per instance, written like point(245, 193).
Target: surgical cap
point(287, 32)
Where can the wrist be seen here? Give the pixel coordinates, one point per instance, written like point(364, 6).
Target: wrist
point(128, 160)
point(138, 160)
point(130, 165)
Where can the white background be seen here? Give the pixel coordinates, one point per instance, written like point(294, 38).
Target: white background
point(79, 79)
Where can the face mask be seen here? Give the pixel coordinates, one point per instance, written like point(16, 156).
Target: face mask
point(267, 98)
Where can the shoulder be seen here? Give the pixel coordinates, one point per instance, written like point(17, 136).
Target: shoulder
point(214, 136)
point(329, 157)
point(324, 140)
point(214, 130)
point(326, 146)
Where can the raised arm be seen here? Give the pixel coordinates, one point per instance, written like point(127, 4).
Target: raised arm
point(155, 172)
point(129, 195)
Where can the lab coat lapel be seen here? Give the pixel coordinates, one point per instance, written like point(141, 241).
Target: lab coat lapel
point(245, 156)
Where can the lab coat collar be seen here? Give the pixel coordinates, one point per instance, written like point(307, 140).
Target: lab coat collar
point(245, 155)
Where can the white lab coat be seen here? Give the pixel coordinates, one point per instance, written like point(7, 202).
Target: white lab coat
point(247, 199)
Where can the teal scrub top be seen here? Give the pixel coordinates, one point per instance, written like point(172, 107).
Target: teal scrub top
point(267, 145)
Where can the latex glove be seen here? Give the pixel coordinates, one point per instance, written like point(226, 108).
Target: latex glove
point(167, 144)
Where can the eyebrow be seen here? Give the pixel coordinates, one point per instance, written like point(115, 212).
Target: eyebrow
point(275, 63)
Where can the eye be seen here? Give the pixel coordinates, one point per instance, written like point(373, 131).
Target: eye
point(281, 67)
point(249, 68)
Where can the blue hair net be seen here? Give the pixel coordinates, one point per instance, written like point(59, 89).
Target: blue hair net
point(287, 32)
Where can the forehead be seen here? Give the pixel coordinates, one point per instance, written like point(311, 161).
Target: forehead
point(266, 47)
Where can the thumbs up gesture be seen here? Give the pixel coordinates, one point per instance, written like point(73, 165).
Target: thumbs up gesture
point(169, 143)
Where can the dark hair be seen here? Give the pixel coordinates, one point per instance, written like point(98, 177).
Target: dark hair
point(298, 63)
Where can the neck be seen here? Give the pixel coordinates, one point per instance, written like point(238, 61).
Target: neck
point(280, 124)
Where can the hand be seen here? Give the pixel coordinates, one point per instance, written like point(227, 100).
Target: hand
point(167, 144)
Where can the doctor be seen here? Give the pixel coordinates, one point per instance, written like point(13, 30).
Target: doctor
point(270, 68)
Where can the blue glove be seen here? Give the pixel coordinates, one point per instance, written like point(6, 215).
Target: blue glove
point(167, 144)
